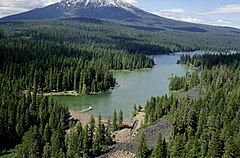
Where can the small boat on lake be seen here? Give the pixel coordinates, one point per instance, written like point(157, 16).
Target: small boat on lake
point(86, 110)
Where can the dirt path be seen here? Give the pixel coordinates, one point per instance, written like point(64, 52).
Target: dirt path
point(128, 134)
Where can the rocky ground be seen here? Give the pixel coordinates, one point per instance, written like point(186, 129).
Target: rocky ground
point(127, 139)
point(193, 94)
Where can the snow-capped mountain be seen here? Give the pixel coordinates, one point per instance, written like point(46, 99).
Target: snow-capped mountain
point(98, 3)
point(100, 9)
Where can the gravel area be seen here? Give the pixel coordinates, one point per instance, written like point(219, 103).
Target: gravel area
point(123, 135)
point(130, 143)
point(193, 94)
point(121, 154)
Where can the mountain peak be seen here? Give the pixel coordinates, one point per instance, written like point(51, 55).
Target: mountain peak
point(99, 9)
point(98, 3)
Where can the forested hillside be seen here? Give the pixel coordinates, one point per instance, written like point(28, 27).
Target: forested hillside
point(77, 55)
point(47, 60)
point(38, 126)
point(210, 60)
point(142, 39)
point(36, 59)
point(208, 126)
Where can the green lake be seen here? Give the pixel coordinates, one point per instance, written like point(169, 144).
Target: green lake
point(135, 87)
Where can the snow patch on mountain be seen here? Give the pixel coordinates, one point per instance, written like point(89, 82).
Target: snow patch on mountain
point(99, 3)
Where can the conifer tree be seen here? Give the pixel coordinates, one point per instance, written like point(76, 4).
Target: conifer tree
point(215, 145)
point(86, 146)
point(120, 119)
point(72, 144)
point(56, 144)
point(109, 140)
point(142, 150)
point(160, 149)
point(91, 131)
point(114, 121)
point(47, 133)
point(46, 151)
point(97, 143)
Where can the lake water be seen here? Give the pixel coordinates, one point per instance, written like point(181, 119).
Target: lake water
point(135, 87)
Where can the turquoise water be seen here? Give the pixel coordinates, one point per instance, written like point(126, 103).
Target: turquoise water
point(135, 87)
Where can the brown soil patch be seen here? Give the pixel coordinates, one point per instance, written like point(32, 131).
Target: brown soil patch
point(84, 117)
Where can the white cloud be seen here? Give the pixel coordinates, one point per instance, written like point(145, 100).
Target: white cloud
point(174, 13)
point(182, 15)
point(226, 9)
point(202, 20)
point(170, 12)
point(224, 21)
point(8, 7)
point(190, 19)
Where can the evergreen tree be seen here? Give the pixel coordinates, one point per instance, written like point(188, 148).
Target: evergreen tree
point(31, 144)
point(109, 140)
point(160, 149)
point(46, 151)
point(86, 145)
point(56, 144)
point(120, 119)
point(142, 150)
point(47, 133)
point(72, 143)
point(215, 146)
point(91, 132)
point(114, 121)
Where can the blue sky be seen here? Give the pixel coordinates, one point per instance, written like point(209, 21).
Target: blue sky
point(213, 12)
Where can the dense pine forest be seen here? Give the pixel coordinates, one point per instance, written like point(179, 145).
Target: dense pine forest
point(159, 39)
point(183, 83)
point(203, 127)
point(78, 55)
point(36, 126)
point(210, 60)
point(45, 64)
point(40, 127)
point(33, 63)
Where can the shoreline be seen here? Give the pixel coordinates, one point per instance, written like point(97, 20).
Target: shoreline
point(84, 117)
point(70, 93)
point(126, 70)
point(74, 93)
